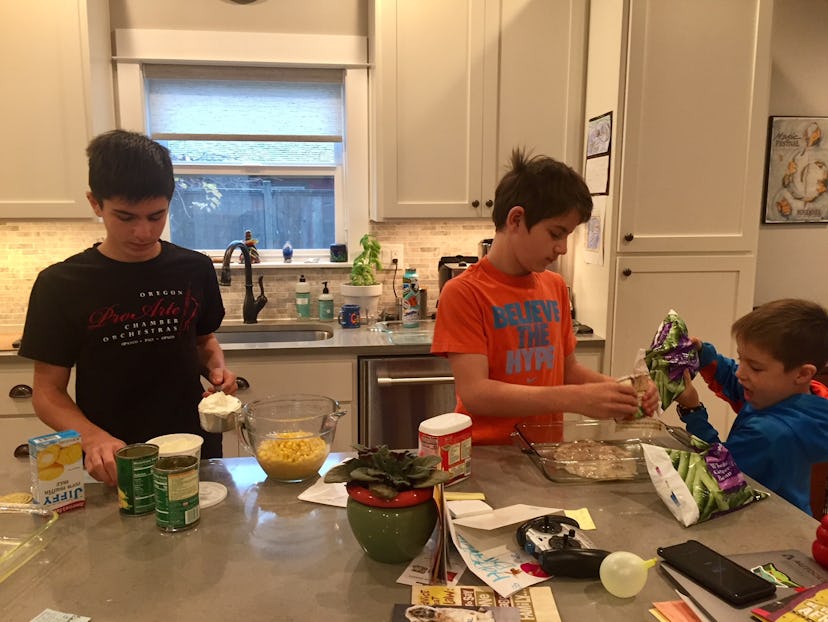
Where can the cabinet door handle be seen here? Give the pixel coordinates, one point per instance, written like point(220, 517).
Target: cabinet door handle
point(629, 237)
point(475, 203)
point(20, 392)
point(21, 451)
point(489, 203)
point(626, 272)
point(242, 383)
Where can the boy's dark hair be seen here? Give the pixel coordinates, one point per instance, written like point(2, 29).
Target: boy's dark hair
point(544, 187)
point(129, 166)
point(793, 331)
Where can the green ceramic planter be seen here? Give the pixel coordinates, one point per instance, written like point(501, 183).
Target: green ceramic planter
point(392, 531)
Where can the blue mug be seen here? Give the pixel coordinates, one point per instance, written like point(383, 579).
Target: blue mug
point(349, 316)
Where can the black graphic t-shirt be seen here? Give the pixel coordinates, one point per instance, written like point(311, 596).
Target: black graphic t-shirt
point(130, 330)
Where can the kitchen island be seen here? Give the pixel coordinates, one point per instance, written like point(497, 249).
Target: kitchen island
point(262, 554)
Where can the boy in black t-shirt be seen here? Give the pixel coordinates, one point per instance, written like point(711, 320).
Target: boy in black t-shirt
point(134, 315)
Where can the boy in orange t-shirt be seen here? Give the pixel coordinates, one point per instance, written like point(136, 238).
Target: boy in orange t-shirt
point(504, 324)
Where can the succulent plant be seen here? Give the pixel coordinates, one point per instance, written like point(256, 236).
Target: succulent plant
point(387, 472)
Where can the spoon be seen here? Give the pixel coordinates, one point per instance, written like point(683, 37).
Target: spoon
point(680, 434)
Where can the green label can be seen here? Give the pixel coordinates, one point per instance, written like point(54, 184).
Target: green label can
point(136, 493)
point(176, 492)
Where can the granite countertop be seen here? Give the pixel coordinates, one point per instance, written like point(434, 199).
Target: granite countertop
point(362, 340)
point(6, 340)
point(261, 554)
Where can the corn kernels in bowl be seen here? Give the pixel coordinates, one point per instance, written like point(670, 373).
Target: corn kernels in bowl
point(292, 456)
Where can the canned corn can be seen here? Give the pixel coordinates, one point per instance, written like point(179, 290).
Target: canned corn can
point(136, 492)
point(176, 492)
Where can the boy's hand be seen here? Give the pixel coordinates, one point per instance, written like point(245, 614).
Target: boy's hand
point(650, 400)
point(689, 398)
point(608, 400)
point(221, 379)
point(100, 451)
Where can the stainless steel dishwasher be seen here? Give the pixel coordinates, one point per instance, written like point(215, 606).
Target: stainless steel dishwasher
point(397, 392)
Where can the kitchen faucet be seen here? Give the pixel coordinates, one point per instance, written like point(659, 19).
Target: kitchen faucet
point(250, 307)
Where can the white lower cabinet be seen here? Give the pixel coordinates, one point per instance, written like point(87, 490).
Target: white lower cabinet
point(708, 292)
point(17, 431)
point(18, 423)
point(591, 354)
point(270, 373)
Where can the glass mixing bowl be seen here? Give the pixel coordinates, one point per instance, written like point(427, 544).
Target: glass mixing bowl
point(290, 435)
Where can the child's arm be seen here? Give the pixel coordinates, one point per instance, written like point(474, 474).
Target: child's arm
point(484, 396)
point(719, 372)
point(693, 413)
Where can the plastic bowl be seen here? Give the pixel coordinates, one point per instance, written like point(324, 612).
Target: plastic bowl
point(178, 445)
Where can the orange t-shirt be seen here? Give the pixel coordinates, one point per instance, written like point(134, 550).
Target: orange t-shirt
point(521, 324)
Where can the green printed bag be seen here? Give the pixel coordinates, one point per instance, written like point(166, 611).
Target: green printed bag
point(698, 484)
point(669, 354)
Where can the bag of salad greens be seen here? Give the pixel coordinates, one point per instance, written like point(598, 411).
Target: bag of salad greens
point(670, 353)
point(700, 483)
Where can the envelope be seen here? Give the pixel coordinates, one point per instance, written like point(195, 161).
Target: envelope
point(501, 517)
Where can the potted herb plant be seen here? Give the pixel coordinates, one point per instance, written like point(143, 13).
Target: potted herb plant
point(363, 288)
point(391, 507)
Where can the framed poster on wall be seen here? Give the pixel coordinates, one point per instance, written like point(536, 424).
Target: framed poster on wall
point(796, 182)
point(598, 148)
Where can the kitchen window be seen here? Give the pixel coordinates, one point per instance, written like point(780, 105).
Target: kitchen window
point(255, 145)
point(253, 148)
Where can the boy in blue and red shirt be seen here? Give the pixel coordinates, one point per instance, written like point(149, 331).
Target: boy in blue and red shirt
point(781, 428)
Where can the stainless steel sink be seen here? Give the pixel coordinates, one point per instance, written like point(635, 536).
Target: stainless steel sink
point(273, 333)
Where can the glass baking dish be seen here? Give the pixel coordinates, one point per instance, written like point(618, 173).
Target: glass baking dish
point(397, 334)
point(588, 451)
point(24, 531)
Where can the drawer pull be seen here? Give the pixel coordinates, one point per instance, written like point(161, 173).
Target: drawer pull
point(389, 382)
point(20, 392)
point(242, 383)
point(21, 451)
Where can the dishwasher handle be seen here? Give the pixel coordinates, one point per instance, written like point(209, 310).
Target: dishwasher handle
point(390, 382)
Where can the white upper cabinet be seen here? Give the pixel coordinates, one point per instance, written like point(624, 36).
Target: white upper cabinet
point(456, 85)
point(56, 69)
point(688, 86)
point(695, 124)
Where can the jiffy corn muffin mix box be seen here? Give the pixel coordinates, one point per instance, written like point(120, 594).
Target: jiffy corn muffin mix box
point(56, 461)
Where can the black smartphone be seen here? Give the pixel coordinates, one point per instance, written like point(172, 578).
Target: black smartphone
point(715, 572)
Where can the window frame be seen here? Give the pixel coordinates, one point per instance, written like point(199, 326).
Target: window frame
point(135, 48)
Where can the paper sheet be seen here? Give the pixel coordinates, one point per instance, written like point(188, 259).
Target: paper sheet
point(488, 546)
point(327, 494)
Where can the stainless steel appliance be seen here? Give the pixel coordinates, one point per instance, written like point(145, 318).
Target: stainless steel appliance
point(397, 392)
point(484, 246)
point(453, 265)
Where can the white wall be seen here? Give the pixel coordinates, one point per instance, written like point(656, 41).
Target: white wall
point(792, 259)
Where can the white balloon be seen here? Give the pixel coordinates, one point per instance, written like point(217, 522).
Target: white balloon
point(623, 574)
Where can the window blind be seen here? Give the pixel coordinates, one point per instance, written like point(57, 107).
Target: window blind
point(244, 104)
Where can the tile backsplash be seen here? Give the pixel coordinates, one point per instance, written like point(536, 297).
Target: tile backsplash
point(30, 246)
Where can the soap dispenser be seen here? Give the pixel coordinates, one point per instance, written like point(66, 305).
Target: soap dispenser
point(326, 306)
point(302, 298)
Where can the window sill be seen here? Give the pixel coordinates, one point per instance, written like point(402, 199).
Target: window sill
point(281, 265)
